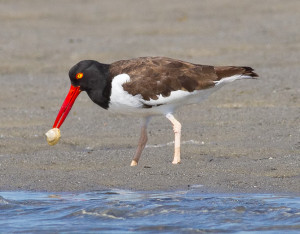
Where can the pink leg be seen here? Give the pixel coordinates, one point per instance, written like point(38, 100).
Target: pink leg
point(142, 142)
point(177, 131)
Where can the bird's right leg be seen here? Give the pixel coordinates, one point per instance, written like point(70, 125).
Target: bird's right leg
point(142, 142)
point(177, 131)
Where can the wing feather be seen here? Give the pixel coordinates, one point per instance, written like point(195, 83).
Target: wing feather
point(154, 76)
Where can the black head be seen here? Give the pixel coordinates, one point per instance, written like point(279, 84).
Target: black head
point(92, 77)
point(87, 74)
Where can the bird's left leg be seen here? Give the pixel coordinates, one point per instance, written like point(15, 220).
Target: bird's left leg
point(177, 131)
point(142, 142)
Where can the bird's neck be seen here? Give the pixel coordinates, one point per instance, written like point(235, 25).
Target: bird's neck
point(101, 90)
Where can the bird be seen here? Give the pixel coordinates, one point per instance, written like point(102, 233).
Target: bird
point(146, 87)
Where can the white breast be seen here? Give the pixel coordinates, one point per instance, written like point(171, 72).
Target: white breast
point(121, 100)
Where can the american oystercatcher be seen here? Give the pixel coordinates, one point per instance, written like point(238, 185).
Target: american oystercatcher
point(146, 87)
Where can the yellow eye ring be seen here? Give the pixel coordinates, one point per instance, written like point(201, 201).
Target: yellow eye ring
point(79, 75)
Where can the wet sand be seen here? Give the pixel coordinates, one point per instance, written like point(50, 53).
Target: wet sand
point(244, 138)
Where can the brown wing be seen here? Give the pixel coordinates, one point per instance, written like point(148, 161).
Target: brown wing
point(152, 76)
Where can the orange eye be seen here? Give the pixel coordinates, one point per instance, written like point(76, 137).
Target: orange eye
point(79, 75)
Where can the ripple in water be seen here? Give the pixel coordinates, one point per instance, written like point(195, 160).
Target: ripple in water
point(127, 211)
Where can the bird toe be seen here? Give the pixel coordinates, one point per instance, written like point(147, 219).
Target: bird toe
point(133, 163)
point(176, 161)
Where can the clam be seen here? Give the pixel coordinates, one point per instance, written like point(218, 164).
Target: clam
point(53, 136)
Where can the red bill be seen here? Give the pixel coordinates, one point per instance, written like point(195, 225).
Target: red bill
point(66, 106)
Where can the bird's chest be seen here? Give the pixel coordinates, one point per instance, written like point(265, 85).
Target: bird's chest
point(120, 99)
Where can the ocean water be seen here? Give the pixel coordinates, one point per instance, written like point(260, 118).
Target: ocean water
point(123, 211)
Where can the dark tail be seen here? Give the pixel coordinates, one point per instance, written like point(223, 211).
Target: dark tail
point(227, 71)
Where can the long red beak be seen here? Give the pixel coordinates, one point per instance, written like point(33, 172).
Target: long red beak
point(66, 106)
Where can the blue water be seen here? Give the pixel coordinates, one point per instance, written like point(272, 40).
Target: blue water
point(122, 211)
